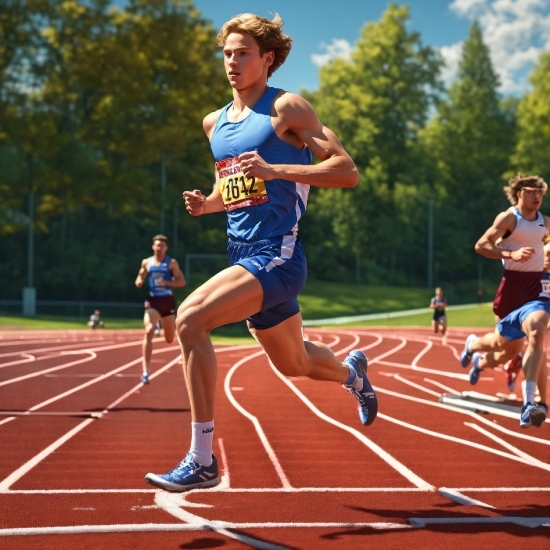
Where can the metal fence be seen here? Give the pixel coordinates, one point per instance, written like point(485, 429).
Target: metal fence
point(81, 309)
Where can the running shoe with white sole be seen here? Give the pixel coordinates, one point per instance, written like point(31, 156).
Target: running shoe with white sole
point(466, 355)
point(475, 371)
point(187, 475)
point(361, 387)
point(145, 378)
point(533, 415)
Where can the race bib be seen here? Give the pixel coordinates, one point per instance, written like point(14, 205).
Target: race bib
point(236, 189)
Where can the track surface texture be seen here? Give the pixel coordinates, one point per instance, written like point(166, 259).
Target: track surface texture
point(78, 432)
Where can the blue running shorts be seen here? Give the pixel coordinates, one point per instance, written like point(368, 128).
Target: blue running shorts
point(280, 265)
point(510, 326)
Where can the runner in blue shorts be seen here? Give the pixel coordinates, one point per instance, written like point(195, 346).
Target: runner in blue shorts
point(263, 143)
point(529, 321)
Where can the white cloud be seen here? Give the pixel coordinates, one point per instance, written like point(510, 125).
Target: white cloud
point(337, 48)
point(451, 56)
point(515, 31)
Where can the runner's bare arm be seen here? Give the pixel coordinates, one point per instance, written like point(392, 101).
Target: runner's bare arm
point(486, 246)
point(178, 280)
point(196, 203)
point(142, 274)
point(297, 123)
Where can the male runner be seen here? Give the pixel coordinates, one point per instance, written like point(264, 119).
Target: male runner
point(263, 143)
point(439, 319)
point(517, 238)
point(530, 320)
point(164, 274)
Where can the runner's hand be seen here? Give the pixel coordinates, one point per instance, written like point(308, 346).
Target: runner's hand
point(195, 202)
point(522, 255)
point(255, 166)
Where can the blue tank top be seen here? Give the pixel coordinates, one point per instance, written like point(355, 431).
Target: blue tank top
point(158, 272)
point(439, 304)
point(256, 209)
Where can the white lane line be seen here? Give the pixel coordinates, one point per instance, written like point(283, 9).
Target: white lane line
point(171, 503)
point(455, 375)
point(462, 411)
point(534, 462)
point(505, 444)
point(163, 527)
point(532, 522)
point(10, 480)
point(458, 497)
point(29, 465)
point(283, 490)
point(84, 345)
point(519, 435)
point(224, 483)
point(386, 457)
point(261, 434)
point(51, 369)
point(29, 359)
point(414, 385)
point(442, 386)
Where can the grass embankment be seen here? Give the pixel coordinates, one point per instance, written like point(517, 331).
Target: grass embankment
point(319, 300)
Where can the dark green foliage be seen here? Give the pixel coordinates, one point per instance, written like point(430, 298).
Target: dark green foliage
point(92, 99)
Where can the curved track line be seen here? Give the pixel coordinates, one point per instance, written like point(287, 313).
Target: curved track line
point(533, 462)
point(394, 463)
point(52, 369)
point(500, 441)
point(462, 411)
point(29, 465)
point(171, 503)
point(253, 419)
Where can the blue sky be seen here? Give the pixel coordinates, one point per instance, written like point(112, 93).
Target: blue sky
point(516, 31)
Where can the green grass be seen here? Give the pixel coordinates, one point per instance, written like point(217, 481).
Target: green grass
point(47, 322)
point(319, 300)
point(476, 317)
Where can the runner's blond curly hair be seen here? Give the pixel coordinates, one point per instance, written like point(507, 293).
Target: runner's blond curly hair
point(519, 181)
point(268, 34)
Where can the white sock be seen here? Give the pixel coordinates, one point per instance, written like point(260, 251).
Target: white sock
point(202, 435)
point(529, 390)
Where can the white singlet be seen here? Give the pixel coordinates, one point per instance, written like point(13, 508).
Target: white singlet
point(526, 234)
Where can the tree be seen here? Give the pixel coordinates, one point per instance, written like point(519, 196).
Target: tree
point(532, 152)
point(470, 141)
point(376, 103)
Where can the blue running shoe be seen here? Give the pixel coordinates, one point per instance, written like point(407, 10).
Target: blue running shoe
point(361, 387)
point(466, 355)
point(187, 475)
point(533, 415)
point(145, 378)
point(475, 371)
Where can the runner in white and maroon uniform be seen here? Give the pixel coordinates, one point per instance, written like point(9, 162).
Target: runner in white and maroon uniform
point(517, 238)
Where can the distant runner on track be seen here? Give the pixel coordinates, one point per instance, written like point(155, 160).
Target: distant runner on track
point(263, 142)
point(439, 319)
point(163, 274)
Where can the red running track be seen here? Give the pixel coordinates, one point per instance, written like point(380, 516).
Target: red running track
point(78, 432)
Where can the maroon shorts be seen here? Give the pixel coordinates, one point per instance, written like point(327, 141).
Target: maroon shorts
point(165, 305)
point(515, 290)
